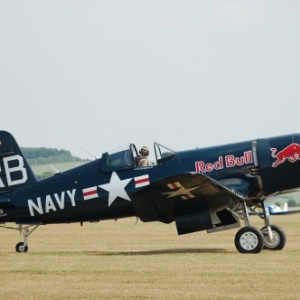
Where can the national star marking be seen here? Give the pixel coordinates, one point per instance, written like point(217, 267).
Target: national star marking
point(181, 191)
point(116, 188)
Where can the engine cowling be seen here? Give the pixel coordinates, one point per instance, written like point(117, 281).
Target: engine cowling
point(279, 162)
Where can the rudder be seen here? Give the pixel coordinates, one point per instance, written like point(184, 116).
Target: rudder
point(14, 169)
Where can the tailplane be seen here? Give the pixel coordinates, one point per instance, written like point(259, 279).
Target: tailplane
point(14, 169)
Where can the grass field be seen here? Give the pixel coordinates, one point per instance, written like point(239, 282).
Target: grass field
point(124, 260)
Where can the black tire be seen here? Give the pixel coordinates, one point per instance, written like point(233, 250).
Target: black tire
point(20, 247)
point(279, 238)
point(249, 240)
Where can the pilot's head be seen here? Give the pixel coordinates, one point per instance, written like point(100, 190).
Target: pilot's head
point(144, 151)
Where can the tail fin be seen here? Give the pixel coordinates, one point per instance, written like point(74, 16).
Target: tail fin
point(14, 169)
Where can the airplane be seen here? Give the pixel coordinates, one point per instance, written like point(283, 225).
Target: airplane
point(276, 210)
point(211, 189)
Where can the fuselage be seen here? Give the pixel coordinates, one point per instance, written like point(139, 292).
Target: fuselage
point(102, 190)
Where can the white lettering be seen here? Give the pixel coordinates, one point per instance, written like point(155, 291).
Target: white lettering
point(38, 207)
point(60, 201)
point(72, 196)
point(1, 182)
point(19, 168)
point(49, 204)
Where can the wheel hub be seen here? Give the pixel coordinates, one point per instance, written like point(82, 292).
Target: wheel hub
point(272, 243)
point(249, 240)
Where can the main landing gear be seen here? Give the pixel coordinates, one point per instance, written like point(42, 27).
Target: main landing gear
point(249, 240)
point(278, 240)
point(252, 240)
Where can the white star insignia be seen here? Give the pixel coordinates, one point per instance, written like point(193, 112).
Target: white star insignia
point(116, 188)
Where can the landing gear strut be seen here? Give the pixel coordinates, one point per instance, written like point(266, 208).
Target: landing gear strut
point(23, 246)
point(252, 240)
point(248, 239)
point(274, 236)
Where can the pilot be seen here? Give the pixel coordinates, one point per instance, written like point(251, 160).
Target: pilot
point(142, 159)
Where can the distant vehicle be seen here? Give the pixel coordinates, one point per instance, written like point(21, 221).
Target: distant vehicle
point(200, 189)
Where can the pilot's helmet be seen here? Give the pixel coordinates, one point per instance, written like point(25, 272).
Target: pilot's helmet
point(144, 151)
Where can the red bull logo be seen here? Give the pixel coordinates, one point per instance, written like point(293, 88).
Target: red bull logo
point(290, 153)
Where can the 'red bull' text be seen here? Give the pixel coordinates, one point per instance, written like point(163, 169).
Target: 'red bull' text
point(228, 161)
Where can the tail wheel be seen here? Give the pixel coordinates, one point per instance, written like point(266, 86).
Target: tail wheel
point(279, 238)
point(20, 247)
point(249, 240)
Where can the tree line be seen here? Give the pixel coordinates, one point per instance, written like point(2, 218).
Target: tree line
point(42, 156)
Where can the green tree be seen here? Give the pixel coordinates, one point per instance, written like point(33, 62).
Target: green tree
point(292, 203)
point(42, 156)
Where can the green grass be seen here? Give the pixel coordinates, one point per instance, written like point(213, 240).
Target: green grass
point(121, 260)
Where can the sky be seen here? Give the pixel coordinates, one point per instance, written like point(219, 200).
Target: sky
point(99, 74)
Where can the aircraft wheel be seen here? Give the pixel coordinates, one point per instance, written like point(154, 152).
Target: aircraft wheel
point(249, 240)
point(20, 247)
point(279, 238)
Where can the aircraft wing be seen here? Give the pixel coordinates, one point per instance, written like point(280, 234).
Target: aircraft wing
point(289, 212)
point(187, 198)
point(275, 210)
point(286, 212)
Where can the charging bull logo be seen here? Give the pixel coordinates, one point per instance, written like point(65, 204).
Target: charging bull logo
point(290, 153)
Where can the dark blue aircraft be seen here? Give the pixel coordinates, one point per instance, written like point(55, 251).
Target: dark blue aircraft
point(201, 189)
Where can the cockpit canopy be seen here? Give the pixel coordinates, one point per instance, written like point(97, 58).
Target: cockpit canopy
point(162, 153)
point(123, 157)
